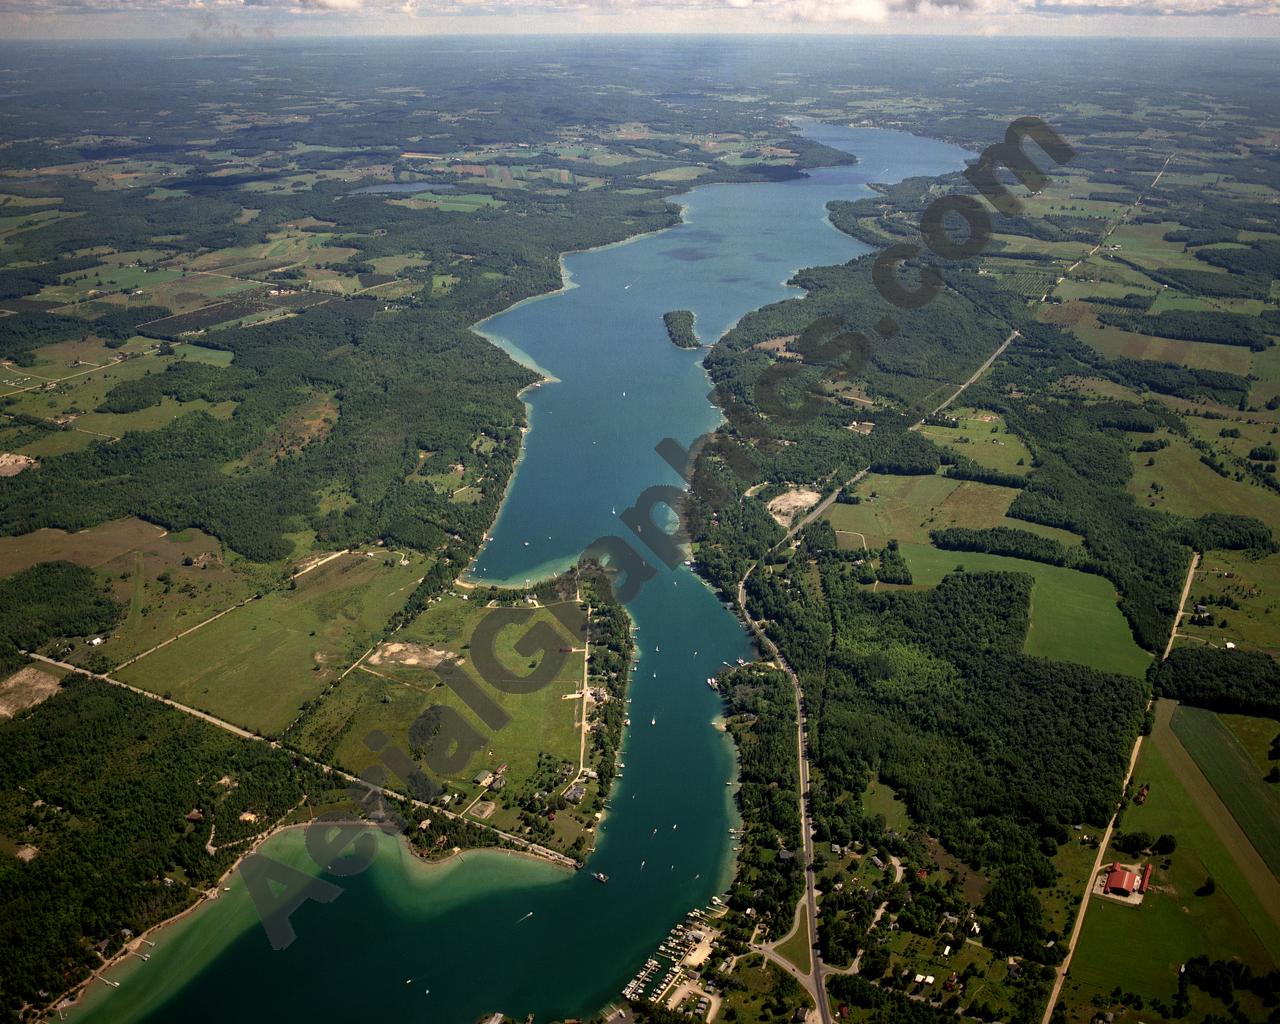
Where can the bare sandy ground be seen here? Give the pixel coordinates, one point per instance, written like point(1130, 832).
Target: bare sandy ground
point(25, 688)
point(785, 507)
point(417, 655)
point(12, 464)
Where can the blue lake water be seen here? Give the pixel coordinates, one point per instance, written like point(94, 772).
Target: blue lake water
point(499, 933)
point(403, 186)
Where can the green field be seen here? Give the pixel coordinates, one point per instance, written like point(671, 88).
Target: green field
point(1227, 765)
point(764, 984)
point(1188, 487)
point(906, 508)
point(1173, 923)
point(881, 799)
point(1066, 605)
point(1115, 343)
point(1256, 735)
point(257, 665)
point(983, 436)
point(388, 693)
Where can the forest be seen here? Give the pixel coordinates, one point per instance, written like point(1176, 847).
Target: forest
point(1231, 681)
point(761, 713)
point(51, 599)
point(900, 682)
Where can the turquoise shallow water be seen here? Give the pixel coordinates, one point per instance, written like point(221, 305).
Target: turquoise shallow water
point(494, 932)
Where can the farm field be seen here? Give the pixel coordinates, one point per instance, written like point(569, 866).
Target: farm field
point(1066, 604)
point(1115, 343)
point(906, 508)
point(1173, 923)
point(257, 665)
point(1231, 771)
point(93, 547)
point(1256, 736)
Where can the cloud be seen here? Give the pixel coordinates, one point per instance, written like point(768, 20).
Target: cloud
point(761, 12)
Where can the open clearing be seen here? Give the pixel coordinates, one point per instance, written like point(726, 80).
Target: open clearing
point(1066, 605)
point(26, 688)
point(983, 436)
point(259, 664)
point(906, 508)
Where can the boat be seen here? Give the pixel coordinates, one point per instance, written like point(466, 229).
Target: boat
point(601, 877)
point(711, 682)
point(653, 721)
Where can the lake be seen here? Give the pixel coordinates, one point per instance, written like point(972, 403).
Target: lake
point(494, 932)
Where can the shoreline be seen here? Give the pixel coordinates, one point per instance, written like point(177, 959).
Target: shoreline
point(73, 998)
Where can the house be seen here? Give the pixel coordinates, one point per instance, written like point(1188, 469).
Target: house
point(484, 778)
point(575, 793)
point(1141, 798)
point(498, 784)
point(1120, 882)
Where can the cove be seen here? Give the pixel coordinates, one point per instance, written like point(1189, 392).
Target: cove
point(488, 931)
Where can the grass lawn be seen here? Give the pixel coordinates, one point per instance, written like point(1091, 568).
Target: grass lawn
point(906, 508)
point(797, 949)
point(1066, 604)
point(1227, 765)
point(769, 993)
point(258, 665)
point(881, 799)
point(1172, 924)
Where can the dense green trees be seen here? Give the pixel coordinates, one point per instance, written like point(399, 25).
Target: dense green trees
point(51, 599)
point(1241, 682)
point(761, 712)
point(679, 325)
point(1002, 540)
point(900, 682)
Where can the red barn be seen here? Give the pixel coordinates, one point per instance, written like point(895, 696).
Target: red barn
point(1119, 881)
point(1146, 877)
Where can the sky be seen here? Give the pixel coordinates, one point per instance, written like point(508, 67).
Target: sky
point(107, 19)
